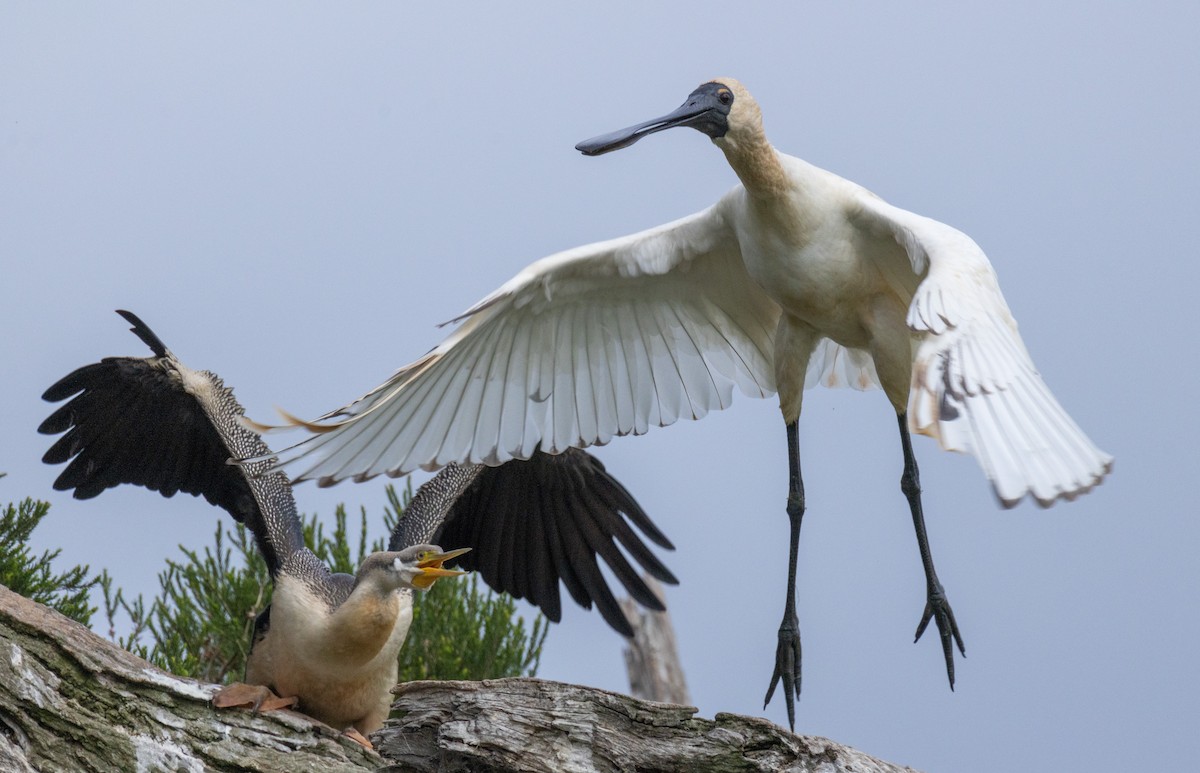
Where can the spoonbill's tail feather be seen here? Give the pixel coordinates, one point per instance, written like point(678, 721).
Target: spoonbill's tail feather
point(835, 366)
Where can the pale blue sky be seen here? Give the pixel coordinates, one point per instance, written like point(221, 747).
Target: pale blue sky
point(293, 196)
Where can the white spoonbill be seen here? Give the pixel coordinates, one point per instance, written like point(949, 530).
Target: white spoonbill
point(795, 277)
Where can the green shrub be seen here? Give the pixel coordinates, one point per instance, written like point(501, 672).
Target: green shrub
point(32, 576)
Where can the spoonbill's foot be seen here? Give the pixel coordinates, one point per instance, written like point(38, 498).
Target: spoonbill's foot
point(787, 666)
point(937, 608)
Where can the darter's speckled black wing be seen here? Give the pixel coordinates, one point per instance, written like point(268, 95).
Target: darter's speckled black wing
point(154, 422)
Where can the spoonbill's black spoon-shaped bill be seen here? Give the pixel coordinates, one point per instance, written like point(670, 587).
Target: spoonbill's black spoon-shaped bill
point(329, 641)
point(793, 278)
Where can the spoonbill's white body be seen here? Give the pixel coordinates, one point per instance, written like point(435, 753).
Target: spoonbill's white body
point(795, 277)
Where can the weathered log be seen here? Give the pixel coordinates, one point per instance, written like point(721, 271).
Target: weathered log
point(538, 726)
point(72, 701)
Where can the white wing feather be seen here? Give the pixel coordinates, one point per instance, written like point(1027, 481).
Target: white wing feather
point(974, 386)
point(602, 340)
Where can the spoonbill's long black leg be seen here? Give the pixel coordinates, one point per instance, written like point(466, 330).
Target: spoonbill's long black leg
point(937, 606)
point(787, 652)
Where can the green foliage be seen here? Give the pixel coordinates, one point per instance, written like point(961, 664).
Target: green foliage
point(202, 620)
point(460, 632)
point(32, 576)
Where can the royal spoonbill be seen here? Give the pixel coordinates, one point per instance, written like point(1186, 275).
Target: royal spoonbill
point(328, 641)
point(794, 277)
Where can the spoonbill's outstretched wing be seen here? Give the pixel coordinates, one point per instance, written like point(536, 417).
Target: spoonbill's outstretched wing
point(974, 386)
point(603, 340)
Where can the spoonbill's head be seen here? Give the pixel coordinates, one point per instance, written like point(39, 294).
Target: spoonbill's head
point(720, 108)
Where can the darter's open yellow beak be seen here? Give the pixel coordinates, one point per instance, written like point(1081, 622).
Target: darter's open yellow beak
point(431, 568)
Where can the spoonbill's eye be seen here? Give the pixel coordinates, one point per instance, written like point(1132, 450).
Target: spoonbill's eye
point(726, 96)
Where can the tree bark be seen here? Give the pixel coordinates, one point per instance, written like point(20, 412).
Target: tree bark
point(538, 726)
point(71, 701)
point(652, 656)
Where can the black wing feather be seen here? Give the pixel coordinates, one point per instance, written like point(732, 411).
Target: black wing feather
point(532, 524)
point(135, 420)
point(562, 562)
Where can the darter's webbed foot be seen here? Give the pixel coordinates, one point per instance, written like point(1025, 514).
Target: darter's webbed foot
point(937, 608)
point(357, 737)
point(787, 666)
point(255, 697)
